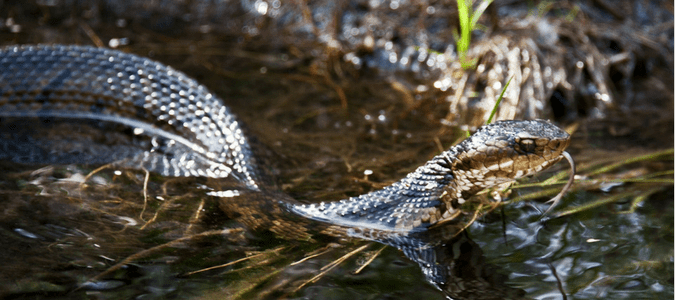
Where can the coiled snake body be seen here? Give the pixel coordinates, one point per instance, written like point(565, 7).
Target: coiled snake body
point(171, 125)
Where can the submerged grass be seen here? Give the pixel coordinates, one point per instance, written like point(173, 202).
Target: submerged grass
point(595, 177)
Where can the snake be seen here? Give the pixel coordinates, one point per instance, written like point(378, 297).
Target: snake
point(158, 119)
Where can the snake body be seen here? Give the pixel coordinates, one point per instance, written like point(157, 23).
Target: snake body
point(172, 125)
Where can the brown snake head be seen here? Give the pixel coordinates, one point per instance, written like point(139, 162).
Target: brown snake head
point(500, 152)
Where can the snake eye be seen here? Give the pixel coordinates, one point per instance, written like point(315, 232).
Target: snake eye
point(527, 145)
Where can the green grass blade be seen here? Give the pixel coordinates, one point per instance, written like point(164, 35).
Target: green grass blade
point(638, 194)
point(479, 11)
point(649, 156)
point(465, 26)
point(499, 100)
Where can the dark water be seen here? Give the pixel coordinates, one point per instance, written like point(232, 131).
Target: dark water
point(58, 234)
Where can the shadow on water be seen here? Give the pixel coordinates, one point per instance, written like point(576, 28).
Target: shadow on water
point(63, 225)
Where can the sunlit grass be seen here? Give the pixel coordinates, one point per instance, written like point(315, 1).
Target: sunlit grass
point(499, 100)
point(468, 21)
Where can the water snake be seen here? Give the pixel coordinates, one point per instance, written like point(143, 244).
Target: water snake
point(172, 125)
point(79, 104)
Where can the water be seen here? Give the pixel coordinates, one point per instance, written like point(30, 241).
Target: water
point(67, 231)
point(59, 232)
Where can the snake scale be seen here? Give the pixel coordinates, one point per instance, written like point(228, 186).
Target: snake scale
point(165, 122)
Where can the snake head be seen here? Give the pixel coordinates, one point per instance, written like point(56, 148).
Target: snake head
point(504, 151)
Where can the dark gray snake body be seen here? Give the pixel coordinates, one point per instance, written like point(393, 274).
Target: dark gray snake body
point(178, 128)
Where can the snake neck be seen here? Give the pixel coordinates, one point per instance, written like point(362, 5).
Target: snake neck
point(498, 153)
point(430, 194)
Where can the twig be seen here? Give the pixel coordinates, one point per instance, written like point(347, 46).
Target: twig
point(92, 173)
point(145, 193)
point(371, 259)
point(92, 35)
point(233, 262)
point(473, 219)
point(147, 252)
point(320, 252)
point(557, 278)
point(330, 266)
point(195, 217)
